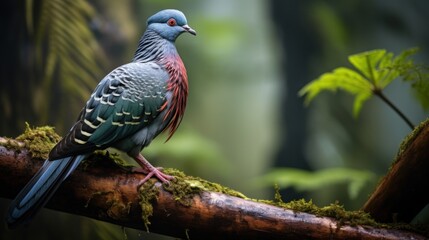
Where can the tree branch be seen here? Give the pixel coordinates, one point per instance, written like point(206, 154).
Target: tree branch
point(402, 193)
point(108, 193)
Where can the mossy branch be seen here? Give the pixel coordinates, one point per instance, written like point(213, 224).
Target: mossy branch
point(402, 193)
point(187, 208)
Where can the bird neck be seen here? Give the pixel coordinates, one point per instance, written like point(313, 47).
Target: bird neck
point(154, 48)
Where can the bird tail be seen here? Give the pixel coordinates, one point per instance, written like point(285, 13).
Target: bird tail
point(40, 189)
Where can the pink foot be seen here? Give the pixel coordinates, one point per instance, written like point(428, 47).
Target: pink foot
point(149, 170)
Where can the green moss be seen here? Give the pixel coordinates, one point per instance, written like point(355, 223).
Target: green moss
point(300, 205)
point(341, 215)
point(39, 141)
point(277, 195)
point(411, 137)
point(334, 210)
point(148, 192)
point(353, 218)
point(185, 187)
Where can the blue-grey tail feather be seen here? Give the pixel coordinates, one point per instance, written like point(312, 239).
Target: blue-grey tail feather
point(40, 189)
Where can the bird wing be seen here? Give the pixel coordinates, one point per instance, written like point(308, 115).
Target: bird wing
point(125, 101)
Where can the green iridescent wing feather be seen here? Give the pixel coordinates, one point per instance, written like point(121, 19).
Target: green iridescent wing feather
point(125, 101)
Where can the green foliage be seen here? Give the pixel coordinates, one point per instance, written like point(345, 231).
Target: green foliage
point(303, 180)
point(67, 51)
point(418, 77)
point(374, 71)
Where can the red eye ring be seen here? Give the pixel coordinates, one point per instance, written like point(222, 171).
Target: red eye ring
point(171, 22)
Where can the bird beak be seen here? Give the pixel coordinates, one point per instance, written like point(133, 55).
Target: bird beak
point(189, 30)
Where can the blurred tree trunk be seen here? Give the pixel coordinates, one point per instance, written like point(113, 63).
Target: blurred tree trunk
point(299, 45)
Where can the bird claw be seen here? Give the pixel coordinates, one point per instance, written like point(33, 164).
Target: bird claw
point(156, 171)
point(149, 170)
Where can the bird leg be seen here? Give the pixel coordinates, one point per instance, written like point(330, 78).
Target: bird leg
point(149, 170)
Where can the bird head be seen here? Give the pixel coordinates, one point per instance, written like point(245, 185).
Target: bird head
point(169, 23)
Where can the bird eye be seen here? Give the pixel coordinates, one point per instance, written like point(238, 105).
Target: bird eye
point(171, 22)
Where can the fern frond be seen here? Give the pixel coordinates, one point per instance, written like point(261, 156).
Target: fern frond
point(418, 76)
point(67, 52)
point(341, 78)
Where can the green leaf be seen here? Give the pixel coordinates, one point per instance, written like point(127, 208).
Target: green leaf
point(403, 56)
point(418, 76)
point(385, 71)
point(341, 78)
point(303, 180)
point(393, 67)
point(367, 62)
point(360, 99)
point(421, 92)
point(380, 67)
